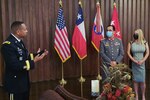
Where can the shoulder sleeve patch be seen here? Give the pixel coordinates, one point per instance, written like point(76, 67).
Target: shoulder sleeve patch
point(6, 42)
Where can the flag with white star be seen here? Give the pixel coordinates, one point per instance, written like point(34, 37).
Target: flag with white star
point(79, 38)
point(115, 22)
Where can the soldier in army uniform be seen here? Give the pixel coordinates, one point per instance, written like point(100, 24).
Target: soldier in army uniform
point(111, 50)
point(18, 62)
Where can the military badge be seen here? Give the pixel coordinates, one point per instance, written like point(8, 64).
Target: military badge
point(106, 44)
point(117, 43)
point(20, 58)
point(20, 51)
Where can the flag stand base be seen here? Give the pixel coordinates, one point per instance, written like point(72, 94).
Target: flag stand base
point(62, 82)
point(99, 77)
point(81, 80)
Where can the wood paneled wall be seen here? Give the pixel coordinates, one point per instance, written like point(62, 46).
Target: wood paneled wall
point(40, 16)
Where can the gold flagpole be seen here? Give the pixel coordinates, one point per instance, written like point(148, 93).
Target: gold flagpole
point(98, 67)
point(81, 80)
point(62, 81)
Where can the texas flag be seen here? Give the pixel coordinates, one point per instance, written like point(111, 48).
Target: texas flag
point(98, 29)
point(115, 22)
point(79, 39)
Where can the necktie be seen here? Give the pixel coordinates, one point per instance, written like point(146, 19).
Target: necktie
point(22, 44)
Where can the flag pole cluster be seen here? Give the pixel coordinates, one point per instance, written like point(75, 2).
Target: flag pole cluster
point(61, 42)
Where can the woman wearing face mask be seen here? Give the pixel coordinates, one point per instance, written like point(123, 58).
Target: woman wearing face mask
point(138, 52)
point(111, 50)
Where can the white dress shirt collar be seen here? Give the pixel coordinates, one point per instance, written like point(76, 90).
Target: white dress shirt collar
point(16, 37)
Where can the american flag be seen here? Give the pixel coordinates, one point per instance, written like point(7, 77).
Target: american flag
point(61, 42)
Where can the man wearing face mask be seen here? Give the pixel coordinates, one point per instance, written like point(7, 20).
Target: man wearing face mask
point(111, 49)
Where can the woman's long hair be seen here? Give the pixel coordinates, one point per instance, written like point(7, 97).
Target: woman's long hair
point(141, 38)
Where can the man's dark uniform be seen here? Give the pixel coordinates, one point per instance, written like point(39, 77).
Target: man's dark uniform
point(111, 50)
point(17, 66)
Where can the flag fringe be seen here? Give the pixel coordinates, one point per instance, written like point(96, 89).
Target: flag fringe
point(78, 54)
point(95, 46)
point(61, 57)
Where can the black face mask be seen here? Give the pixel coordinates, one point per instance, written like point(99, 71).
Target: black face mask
point(135, 36)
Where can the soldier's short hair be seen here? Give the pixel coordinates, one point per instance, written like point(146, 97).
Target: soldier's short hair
point(16, 25)
point(112, 27)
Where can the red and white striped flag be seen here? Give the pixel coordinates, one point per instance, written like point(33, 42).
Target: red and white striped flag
point(98, 29)
point(115, 22)
point(79, 39)
point(61, 42)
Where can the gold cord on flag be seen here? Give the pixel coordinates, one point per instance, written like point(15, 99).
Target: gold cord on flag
point(81, 80)
point(62, 81)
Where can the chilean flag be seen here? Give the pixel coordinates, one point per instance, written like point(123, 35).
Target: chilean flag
point(79, 39)
point(115, 22)
point(98, 29)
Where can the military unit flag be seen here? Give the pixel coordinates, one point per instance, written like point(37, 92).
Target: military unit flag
point(97, 30)
point(115, 22)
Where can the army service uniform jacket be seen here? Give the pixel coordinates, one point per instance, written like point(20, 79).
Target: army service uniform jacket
point(111, 50)
point(17, 65)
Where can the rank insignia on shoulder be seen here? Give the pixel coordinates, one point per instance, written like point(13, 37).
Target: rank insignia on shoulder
point(117, 43)
point(6, 42)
